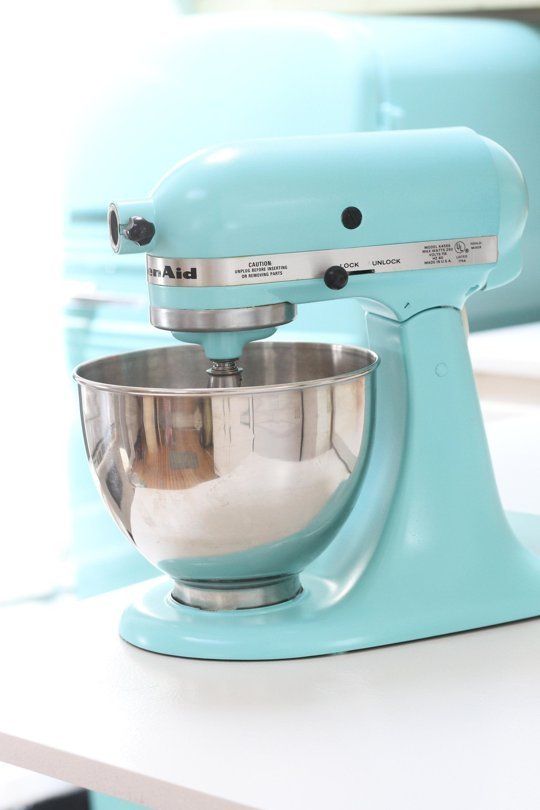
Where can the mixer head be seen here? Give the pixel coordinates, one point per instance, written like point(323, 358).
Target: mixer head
point(237, 236)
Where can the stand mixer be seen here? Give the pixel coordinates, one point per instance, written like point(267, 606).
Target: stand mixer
point(307, 499)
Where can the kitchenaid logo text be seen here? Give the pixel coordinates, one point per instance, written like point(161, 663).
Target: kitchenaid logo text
point(176, 273)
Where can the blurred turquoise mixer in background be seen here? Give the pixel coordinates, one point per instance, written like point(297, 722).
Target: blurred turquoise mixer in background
point(217, 78)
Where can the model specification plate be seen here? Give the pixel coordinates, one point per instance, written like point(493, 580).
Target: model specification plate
point(313, 264)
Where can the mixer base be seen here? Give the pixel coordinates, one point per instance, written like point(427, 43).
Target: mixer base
point(375, 611)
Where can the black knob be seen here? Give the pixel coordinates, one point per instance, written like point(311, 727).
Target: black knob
point(139, 230)
point(336, 277)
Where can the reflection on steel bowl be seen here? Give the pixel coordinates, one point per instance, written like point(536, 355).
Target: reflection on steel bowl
point(230, 491)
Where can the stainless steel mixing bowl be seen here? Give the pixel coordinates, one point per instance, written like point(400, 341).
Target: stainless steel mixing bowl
point(230, 491)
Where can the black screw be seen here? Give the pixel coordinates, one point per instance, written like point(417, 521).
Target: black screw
point(336, 277)
point(351, 217)
point(139, 230)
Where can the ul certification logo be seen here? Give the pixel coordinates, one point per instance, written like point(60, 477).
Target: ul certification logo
point(461, 248)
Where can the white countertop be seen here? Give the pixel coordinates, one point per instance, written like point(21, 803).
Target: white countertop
point(446, 723)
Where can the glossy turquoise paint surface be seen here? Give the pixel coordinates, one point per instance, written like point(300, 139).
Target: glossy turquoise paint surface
point(286, 195)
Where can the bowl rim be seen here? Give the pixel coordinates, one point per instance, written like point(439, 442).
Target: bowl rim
point(84, 382)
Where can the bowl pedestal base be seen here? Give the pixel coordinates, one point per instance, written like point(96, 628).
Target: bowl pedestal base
point(334, 616)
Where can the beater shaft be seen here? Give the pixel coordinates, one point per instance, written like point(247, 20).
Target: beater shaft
point(225, 373)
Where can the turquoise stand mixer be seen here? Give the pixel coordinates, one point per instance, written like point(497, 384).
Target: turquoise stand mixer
point(305, 498)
